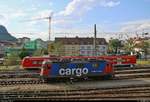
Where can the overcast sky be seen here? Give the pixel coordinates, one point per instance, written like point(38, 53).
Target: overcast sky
point(74, 16)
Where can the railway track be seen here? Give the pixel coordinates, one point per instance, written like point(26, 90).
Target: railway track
point(33, 74)
point(132, 92)
point(132, 71)
point(18, 74)
point(129, 73)
point(129, 68)
point(23, 81)
point(19, 81)
point(32, 77)
point(135, 92)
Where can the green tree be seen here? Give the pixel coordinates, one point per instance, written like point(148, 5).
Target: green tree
point(114, 45)
point(24, 53)
point(12, 59)
point(130, 45)
point(145, 46)
point(40, 52)
point(56, 48)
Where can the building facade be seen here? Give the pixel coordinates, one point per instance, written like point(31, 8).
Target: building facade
point(34, 45)
point(23, 40)
point(4, 45)
point(83, 46)
point(41, 44)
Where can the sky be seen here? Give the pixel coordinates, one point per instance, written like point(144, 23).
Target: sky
point(70, 18)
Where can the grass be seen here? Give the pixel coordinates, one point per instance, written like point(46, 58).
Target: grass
point(7, 68)
point(143, 62)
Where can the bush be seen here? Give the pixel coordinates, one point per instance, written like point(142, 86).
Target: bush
point(12, 59)
point(23, 54)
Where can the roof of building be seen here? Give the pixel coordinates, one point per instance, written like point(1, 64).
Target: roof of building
point(24, 38)
point(7, 42)
point(80, 41)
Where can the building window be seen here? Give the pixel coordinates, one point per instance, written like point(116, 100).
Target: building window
point(102, 42)
point(82, 52)
point(88, 52)
point(100, 47)
point(88, 47)
point(88, 42)
point(82, 47)
point(84, 43)
point(103, 47)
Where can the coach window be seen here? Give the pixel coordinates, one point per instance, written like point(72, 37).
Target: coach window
point(34, 62)
point(40, 62)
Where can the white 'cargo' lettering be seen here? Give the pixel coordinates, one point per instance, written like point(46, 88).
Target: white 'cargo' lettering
point(61, 72)
point(74, 71)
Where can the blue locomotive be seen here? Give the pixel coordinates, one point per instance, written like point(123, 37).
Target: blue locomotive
point(76, 68)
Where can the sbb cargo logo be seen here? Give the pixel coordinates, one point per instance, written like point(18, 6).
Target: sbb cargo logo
point(74, 71)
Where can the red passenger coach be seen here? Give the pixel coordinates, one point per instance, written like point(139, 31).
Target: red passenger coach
point(118, 60)
point(121, 60)
point(35, 62)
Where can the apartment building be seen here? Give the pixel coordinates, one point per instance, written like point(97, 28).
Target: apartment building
point(83, 46)
point(3, 46)
point(23, 40)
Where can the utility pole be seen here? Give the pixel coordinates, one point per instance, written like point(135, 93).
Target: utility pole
point(49, 26)
point(94, 41)
point(49, 31)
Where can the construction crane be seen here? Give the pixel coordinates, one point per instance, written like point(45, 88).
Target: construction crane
point(49, 18)
point(49, 23)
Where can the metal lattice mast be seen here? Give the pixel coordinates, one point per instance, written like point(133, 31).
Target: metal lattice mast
point(94, 42)
point(49, 31)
